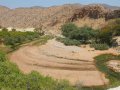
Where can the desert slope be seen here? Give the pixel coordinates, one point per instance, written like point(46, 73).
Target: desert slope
point(51, 18)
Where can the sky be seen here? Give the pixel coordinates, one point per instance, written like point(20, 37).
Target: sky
point(47, 3)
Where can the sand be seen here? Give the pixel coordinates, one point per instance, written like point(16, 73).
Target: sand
point(75, 64)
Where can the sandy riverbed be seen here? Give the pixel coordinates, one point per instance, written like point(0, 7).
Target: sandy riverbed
point(72, 63)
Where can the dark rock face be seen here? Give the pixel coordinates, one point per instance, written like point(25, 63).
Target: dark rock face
point(95, 12)
point(112, 14)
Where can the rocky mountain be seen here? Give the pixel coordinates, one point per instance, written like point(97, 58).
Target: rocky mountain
point(55, 16)
point(107, 6)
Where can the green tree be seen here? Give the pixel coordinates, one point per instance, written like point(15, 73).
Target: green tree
point(68, 28)
point(5, 29)
point(13, 30)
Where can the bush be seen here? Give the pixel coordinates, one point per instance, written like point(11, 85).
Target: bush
point(68, 28)
point(87, 34)
point(109, 31)
point(2, 57)
point(16, 38)
point(5, 29)
point(100, 46)
point(69, 42)
point(13, 30)
point(39, 30)
point(83, 34)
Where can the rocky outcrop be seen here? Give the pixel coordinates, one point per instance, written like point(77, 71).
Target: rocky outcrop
point(112, 14)
point(114, 65)
point(95, 12)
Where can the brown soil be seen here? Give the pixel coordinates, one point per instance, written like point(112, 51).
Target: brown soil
point(72, 63)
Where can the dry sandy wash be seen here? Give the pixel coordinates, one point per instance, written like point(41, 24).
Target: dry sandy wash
point(72, 63)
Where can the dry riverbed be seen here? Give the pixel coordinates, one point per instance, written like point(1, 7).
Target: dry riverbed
point(72, 63)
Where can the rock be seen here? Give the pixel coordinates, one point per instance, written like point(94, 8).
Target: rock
point(114, 65)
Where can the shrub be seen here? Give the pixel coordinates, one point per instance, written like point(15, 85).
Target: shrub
point(13, 30)
point(69, 42)
point(109, 31)
point(5, 29)
point(83, 34)
point(39, 30)
point(100, 46)
point(16, 38)
point(68, 28)
point(2, 57)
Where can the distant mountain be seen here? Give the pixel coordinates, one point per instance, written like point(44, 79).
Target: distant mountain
point(110, 7)
point(38, 7)
point(54, 16)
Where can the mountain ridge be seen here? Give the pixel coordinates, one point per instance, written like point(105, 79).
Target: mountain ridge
point(55, 16)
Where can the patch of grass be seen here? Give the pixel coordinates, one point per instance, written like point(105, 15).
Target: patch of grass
point(69, 42)
point(100, 46)
point(42, 40)
point(101, 60)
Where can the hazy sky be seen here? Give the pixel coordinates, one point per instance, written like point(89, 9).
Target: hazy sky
point(46, 3)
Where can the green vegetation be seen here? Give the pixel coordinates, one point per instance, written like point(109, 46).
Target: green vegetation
point(68, 28)
point(5, 29)
point(13, 30)
point(14, 38)
point(83, 34)
point(101, 64)
point(109, 31)
point(86, 35)
point(100, 46)
point(12, 79)
point(42, 40)
point(39, 30)
point(68, 41)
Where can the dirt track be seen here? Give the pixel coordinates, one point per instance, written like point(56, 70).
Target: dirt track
point(72, 63)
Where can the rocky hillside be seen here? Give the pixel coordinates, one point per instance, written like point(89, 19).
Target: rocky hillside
point(53, 16)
